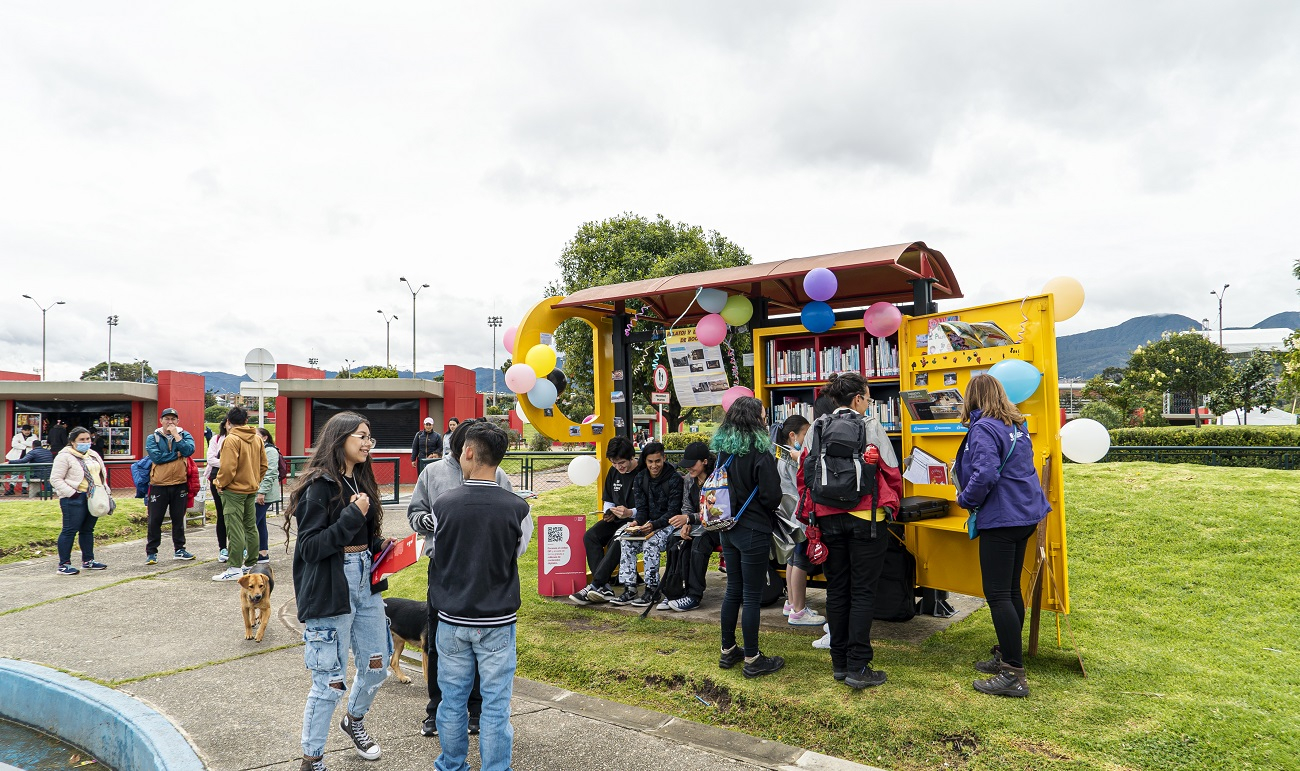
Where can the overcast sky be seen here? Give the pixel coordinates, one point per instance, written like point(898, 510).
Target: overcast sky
point(226, 176)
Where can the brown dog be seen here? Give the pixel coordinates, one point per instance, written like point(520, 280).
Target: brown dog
point(255, 596)
point(408, 620)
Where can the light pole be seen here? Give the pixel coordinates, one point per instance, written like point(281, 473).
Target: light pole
point(494, 322)
point(112, 322)
point(140, 363)
point(414, 292)
point(43, 312)
point(1220, 293)
point(388, 338)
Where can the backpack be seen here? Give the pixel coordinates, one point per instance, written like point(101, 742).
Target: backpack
point(283, 465)
point(896, 588)
point(773, 587)
point(672, 584)
point(140, 476)
point(837, 475)
point(716, 508)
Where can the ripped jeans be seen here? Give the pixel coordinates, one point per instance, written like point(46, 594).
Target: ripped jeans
point(364, 631)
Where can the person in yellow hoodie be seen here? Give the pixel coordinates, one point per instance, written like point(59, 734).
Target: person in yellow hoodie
point(243, 464)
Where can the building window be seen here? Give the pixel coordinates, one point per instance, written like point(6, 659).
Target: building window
point(393, 422)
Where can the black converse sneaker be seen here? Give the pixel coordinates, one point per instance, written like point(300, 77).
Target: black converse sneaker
point(356, 731)
point(313, 764)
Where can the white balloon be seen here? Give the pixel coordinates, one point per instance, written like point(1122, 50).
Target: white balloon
point(584, 469)
point(519, 410)
point(1084, 440)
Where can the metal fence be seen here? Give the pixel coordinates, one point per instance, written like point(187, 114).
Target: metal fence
point(1283, 458)
point(545, 471)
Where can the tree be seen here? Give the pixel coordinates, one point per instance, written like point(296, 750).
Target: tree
point(121, 371)
point(375, 372)
point(1137, 403)
point(1105, 414)
point(1252, 383)
point(1180, 362)
point(626, 248)
point(209, 398)
point(214, 413)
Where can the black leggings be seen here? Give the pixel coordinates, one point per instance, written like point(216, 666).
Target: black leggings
point(221, 513)
point(1002, 557)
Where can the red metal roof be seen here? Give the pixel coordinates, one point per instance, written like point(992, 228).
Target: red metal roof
point(865, 276)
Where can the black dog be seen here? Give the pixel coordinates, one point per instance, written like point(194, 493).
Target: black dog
point(408, 620)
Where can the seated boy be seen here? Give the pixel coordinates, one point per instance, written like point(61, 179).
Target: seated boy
point(617, 510)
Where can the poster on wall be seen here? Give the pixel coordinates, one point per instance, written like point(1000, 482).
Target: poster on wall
point(698, 374)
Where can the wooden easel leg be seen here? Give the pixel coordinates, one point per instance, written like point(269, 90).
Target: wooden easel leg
point(1036, 587)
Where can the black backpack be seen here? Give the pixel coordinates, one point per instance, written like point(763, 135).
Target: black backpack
point(836, 474)
point(672, 583)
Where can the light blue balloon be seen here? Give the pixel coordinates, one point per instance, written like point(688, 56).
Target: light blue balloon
point(542, 394)
point(817, 316)
point(1019, 378)
point(713, 300)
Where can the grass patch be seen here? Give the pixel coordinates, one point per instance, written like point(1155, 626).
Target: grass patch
point(30, 528)
point(1184, 589)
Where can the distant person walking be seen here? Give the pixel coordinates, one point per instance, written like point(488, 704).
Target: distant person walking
point(427, 445)
point(243, 466)
point(268, 492)
point(214, 465)
point(75, 468)
point(168, 447)
point(58, 436)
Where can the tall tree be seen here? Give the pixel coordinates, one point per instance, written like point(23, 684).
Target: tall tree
point(626, 248)
point(121, 371)
point(1252, 383)
point(375, 372)
point(1181, 363)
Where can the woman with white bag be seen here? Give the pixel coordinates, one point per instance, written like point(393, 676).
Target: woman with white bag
point(77, 474)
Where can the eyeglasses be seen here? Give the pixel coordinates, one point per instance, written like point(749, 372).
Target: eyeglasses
point(365, 438)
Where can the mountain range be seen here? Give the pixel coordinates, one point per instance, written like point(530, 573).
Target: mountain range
point(226, 382)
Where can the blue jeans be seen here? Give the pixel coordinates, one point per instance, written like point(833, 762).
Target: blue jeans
point(76, 522)
point(493, 650)
point(365, 632)
point(745, 551)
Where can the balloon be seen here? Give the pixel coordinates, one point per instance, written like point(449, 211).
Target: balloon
point(542, 394)
point(882, 319)
point(1067, 296)
point(520, 378)
point(817, 316)
point(589, 419)
point(712, 300)
point(1084, 440)
point(730, 395)
point(541, 358)
point(519, 410)
point(583, 470)
point(820, 284)
point(711, 330)
point(1019, 378)
point(508, 340)
point(557, 377)
point(738, 310)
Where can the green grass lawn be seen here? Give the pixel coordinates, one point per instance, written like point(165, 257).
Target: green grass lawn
point(30, 528)
point(1185, 596)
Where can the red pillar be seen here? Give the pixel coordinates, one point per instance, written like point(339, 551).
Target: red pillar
point(183, 392)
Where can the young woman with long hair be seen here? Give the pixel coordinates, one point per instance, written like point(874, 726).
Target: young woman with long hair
point(214, 464)
point(743, 445)
point(268, 492)
point(340, 530)
point(74, 469)
point(996, 471)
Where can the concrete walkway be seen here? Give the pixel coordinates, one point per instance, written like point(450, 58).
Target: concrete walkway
point(170, 636)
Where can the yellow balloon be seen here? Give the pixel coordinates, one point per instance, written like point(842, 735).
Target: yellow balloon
point(1067, 296)
point(738, 310)
point(541, 358)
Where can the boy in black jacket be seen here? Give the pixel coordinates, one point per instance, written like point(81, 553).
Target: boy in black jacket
point(480, 532)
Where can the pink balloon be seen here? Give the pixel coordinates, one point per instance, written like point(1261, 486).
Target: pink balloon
point(509, 341)
point(730, 395)
point(520, 378)
point(711, 330)
point(882, 319)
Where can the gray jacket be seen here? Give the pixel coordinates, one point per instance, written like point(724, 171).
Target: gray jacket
point(437, 478)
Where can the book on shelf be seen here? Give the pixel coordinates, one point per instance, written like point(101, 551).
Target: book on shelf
point(794, 365)
point(888, 412)
point(882, 358)
point(838, 358)
point(784, 407)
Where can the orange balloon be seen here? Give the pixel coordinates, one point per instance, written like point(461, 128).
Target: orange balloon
point(1067, 296)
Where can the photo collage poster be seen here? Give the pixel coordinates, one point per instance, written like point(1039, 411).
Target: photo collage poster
point(699, 376)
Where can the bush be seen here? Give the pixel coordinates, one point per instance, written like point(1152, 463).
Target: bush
point(1208, 436)
point(1103, 413)
point(540, 442)
point(678, 441)
point(215, 414)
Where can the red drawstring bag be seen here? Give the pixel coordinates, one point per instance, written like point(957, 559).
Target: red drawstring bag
point(816, 550)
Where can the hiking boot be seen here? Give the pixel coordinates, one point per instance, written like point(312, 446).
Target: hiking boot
point(93, 565)
point(151, 559)
point(991, 666)
point(313, 764)
point(865, 678)
point(182, 555)
point(731, 658)
point(644, 599)
point(429, 727)
point(839, 674)
point(66, 569)
point(683, 604)
point(625, 598)
point(361, 741)
point(762, 665)
point(805, 617)
point(1009, 681)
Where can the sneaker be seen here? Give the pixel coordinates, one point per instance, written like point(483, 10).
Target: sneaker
point(731, 658)
point(473, 725)
point(601, 594)
point(580, 596)
point(762, 665)
point(683, 604)
point(663, 605)
point(839, 674)
point(625, 598)
point(866, 678)
point(644, 599)
point(429, 727)
point(313, 764)
point(1009, 681)
point(230, 574)
point(181, 554)
point(361, 741)
point(223, 555)
point(93, 565)
point(66, 569)
point(263, 559)
point(991, 666)
point(806, 617)
point(151, 559)
point(788, 609)
point(823, 643)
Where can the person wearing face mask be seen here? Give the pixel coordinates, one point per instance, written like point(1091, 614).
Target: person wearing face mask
point(789, 446)
point(75, 468)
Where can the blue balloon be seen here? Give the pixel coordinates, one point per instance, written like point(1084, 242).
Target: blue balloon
point(543, 394)
point(1019, 378)
point(817, 316)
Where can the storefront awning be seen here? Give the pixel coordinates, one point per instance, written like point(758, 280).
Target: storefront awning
point(865, 276)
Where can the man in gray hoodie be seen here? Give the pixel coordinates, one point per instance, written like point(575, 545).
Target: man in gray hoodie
point(437, 478)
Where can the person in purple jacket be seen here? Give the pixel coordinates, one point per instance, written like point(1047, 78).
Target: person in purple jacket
point(995, 468)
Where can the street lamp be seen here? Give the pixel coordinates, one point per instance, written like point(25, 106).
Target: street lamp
point(43, 312)
point(388, 338)
point(494, 322)
point(112, 322)
point(1220, 293)
point(414, 292)
point(140, 363)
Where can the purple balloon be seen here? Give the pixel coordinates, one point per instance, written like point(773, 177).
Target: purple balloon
point(820, 284)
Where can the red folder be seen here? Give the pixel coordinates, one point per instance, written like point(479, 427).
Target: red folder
point(396, 556)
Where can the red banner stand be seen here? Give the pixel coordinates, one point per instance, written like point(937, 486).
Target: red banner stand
point(561, 557)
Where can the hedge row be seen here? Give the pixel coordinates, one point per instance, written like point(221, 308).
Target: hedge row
point(1217, 436)
point(679, 441)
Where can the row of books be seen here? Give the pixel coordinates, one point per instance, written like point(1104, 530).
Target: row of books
point(888, 411)
point(798, 365)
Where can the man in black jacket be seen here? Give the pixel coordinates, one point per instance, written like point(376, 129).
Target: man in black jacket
point(426, 447)
point(617, 509)
point(658, 496)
